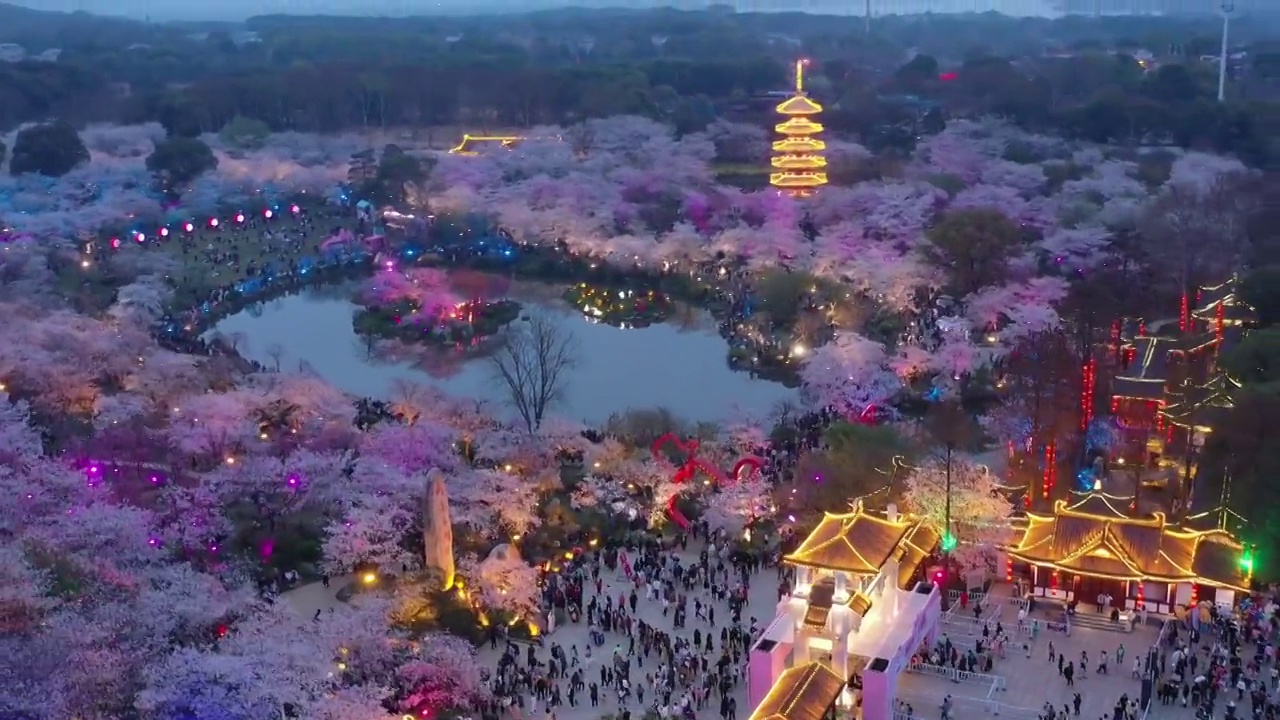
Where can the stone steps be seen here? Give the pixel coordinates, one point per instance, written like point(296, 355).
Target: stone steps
point(1098, 622)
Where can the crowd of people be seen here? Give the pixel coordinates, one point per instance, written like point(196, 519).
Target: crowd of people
point(667, 629)
point(1216, 657)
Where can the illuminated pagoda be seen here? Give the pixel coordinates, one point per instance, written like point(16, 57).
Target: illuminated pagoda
point(860, 608)
point(1095, 547)
point(797, 156)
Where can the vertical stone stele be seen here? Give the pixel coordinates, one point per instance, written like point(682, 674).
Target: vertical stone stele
point(437, 529)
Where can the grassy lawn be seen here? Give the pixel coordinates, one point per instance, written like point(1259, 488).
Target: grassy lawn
point(206, 257)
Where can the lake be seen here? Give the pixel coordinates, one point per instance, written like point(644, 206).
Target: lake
point(667, 365)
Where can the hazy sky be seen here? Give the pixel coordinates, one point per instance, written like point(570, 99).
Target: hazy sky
point(240, 9)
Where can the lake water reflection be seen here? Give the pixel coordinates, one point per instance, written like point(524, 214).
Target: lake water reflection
point(660, 366)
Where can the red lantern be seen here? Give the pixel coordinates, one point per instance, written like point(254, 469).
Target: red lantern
point(213, 222)
point(239, 217)
point(189, 227)
point(164, 232)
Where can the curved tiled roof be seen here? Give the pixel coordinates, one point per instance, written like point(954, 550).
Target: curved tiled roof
point(1093, 537)
point(805, 692)
point(854, 542)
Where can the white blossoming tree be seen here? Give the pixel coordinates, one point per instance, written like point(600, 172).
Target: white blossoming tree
point(977, 505)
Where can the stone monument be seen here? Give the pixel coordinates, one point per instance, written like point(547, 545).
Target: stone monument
point(437, 529)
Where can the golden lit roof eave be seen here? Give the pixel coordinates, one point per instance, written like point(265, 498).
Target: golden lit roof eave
point(799, 162)
point(798, 126)
point(804, 692)
point(1144, 576)
point(1060, 508)
point(795, 180)
point(463, 147)
point(798, 105)
point(833, 534)
point(799, 144)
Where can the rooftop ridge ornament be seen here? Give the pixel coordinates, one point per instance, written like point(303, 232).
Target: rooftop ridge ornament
point(797, 155)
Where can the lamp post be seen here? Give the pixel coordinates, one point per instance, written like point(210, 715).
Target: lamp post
point(1227, 8)
point(948, 538)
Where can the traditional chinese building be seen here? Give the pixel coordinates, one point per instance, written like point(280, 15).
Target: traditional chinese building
point(470, 143)
point(1095, 547)
point(1168, 391)
point(797, 155)
point(859, 608)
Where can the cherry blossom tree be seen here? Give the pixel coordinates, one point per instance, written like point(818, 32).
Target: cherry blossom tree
point(371, 534)
point(493, 500)
point(849, 373)
point(444, 675)
point(731, 507)
point(428, 290)
point(503, 583)
point(977, 505)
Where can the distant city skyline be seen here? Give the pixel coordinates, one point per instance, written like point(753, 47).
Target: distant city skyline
point(237, 10)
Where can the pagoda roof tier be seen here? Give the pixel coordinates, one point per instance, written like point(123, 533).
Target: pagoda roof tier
point(799, 162)
point(1094, 537)
point(1204, 406)
point(798, 126)
point(1209, 296)
point(1145, 377)
point(798, 105)
point(799, 144)
point(797, 179)
point(860, 544)
point(804, 692)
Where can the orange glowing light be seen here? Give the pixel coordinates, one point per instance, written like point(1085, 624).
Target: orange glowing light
point(468, 141)
point(798, 153)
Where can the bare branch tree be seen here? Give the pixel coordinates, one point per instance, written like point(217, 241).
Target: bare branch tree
point(533, 363)
point(275, 351)
point(409, 399)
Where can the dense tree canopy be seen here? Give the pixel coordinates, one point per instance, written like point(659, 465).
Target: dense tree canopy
point(524, 71)
point(52, 149)
point(180, 160)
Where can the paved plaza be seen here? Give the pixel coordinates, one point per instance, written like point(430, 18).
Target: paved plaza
point(761, 604)
point(1031, 682)
point(1028, 682)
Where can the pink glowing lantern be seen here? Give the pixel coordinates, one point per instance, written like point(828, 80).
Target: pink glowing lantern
point(189, 227)
point(295, 209)
point(267, 213)
point(239, 217)
point(115, 243)
point(213, 222)
point(164, 232)
point(140, 238)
